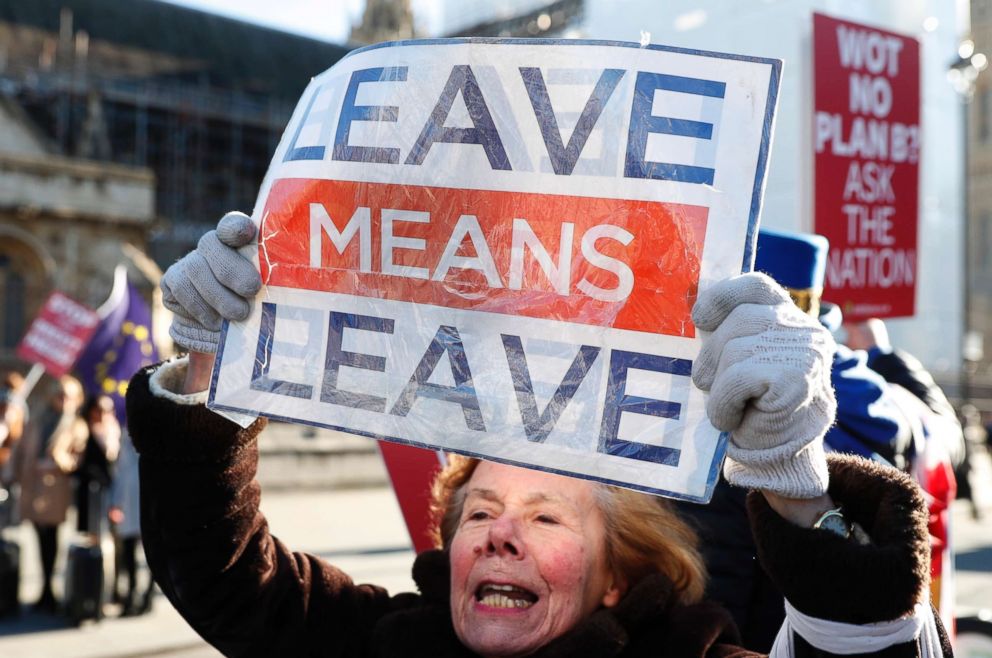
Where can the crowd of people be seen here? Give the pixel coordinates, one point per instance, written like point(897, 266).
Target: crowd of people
point(69, 454)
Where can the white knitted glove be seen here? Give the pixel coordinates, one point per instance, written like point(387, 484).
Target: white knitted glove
point(210, 284)
point(767, 368)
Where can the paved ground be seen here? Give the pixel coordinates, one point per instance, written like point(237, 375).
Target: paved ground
point(362, 531)
point(972, 544)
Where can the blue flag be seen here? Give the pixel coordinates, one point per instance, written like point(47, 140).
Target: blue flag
point(121, 345)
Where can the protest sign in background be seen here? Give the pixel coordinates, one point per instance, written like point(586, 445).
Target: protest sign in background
point(492, 247)
point(58, 334)
point(867, 147)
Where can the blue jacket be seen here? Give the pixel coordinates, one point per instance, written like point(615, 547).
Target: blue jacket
point(869, 423)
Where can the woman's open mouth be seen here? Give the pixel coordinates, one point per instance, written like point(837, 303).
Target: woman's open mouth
point(493, 595)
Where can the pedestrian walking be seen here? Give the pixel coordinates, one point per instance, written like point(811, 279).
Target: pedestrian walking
point(94, 473)
point(125, 517)
point(13, 415)
point(45, 459)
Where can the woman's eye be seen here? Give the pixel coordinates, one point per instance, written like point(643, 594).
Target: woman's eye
point(478, 515)
point(545, 518)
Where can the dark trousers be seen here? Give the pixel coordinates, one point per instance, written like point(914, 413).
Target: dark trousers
point(48, 548)
point(127, 565)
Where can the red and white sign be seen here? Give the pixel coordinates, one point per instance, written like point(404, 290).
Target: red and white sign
point(493, 248)
point(866, 133)
point(58, 334)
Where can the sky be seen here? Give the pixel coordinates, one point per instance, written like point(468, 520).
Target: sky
point(329, 20)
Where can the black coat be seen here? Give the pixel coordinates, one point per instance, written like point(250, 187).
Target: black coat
point(736, 578)
point(902, 368)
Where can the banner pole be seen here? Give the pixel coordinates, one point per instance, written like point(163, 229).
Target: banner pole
point(37, 370)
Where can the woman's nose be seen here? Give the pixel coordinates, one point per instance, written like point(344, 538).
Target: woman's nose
point(504, 539)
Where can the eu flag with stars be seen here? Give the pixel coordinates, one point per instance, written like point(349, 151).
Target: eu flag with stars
point(121, 344)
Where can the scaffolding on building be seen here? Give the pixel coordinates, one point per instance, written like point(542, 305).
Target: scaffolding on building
point(208, 147)
point(206, 124)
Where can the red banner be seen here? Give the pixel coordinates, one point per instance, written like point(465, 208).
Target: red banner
point(412, 472)
point(866, 139)
point(58, 334)
point(605, 262)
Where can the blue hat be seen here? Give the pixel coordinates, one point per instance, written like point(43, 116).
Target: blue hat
point(797, 261)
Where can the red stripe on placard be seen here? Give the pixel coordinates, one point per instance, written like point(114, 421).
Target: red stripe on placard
point(631, 264)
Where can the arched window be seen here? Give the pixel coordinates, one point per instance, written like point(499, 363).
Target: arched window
point(12, 293)
point(24, 284)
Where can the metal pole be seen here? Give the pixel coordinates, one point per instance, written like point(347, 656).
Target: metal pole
point(37, 370)
point(965, 382)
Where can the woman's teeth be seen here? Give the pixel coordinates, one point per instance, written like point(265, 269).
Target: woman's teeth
point(503, 601)
point(505, 596)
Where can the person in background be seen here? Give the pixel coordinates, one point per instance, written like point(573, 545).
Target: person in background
point(940, 454)
point(986, 420)
point(870, 420)
point(974, 437)
point(125, 515)
point(869, 423)
point(94, 473)
point(53, 443)
point(896, 365)
point(899, 367)
point(13, 415)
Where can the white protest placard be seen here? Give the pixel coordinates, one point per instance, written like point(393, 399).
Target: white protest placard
point(492, 247)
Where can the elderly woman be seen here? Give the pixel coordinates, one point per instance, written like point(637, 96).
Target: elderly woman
point(530, 563)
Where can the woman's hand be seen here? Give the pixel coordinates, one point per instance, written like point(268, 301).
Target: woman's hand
point(767, 367)
point(116, 515)
point(802, 512)
point(211, 284)
point(201, 364)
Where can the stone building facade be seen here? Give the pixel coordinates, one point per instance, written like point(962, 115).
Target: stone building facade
point(126, 130)
point(979, 137)
point(65, 223)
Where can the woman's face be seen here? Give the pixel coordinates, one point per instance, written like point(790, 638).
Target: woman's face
point(528, 560)
point(104, 408)
point(68, 396)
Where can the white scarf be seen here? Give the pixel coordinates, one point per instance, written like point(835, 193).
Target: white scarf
point(845, 639)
